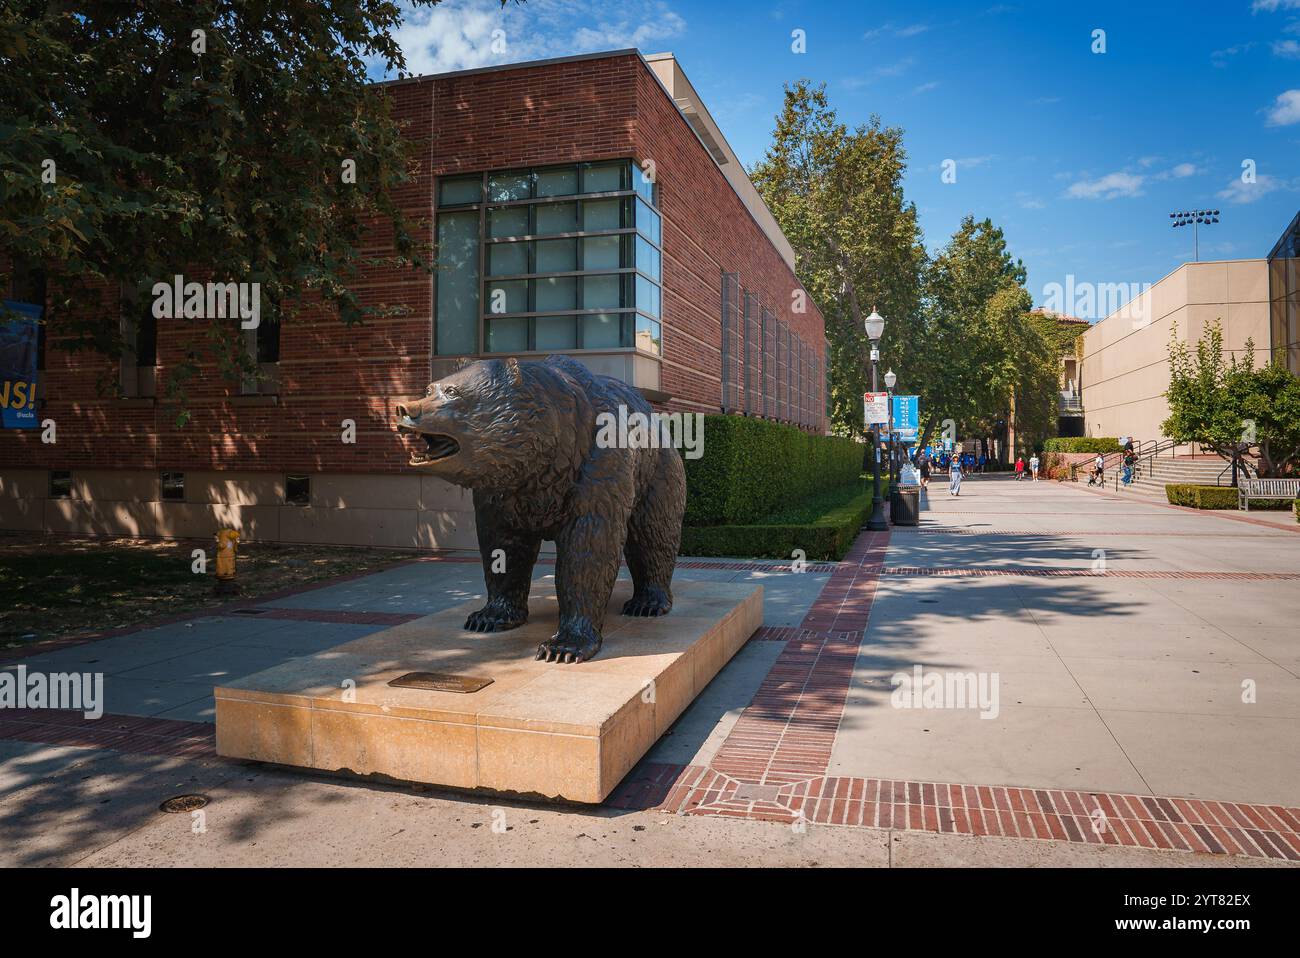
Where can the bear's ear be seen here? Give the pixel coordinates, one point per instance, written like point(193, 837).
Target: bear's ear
point(512, 370)
point(462, 363)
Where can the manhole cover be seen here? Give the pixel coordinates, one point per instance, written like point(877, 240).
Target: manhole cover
point(183, 803)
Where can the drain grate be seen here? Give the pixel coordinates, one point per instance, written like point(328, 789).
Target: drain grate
point(250, 611)
point(183, 803)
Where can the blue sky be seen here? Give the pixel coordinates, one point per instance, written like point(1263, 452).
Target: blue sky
point(1078, 155)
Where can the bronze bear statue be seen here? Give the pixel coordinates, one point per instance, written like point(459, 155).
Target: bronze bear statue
point(523, 437)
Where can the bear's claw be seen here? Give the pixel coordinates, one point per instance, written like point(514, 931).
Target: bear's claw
point(573, 643)
point(495, 617)
point(652, 601)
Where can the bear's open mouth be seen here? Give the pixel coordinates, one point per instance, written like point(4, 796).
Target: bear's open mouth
point(438, 447)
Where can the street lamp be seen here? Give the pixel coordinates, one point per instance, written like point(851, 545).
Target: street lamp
point(1195, 218)
point(890, 379)
point(875, 326)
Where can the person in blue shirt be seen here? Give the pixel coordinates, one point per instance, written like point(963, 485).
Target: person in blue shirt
point(954, 477)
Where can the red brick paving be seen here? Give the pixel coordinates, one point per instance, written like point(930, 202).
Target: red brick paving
point(121, 733)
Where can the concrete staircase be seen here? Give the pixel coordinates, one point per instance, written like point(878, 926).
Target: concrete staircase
point(1156, 472)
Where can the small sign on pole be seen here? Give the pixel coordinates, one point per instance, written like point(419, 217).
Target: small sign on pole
point(875, 408)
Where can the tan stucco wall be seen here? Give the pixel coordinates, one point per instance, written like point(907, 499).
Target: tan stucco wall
point(1125, 368)
point(402, 511)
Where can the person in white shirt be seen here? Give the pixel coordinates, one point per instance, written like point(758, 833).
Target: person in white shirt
point(954, 477)
point(1033, 466)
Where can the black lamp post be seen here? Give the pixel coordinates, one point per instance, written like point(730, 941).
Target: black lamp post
point(875, 326)
point(890, 380)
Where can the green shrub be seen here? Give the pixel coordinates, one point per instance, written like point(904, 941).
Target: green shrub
point(751, 466)
point(823, 527)
point(1217, 497)
point(1297, 510)
point(1102, 444)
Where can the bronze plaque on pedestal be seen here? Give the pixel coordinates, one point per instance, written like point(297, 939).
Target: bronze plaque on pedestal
point(440, 682)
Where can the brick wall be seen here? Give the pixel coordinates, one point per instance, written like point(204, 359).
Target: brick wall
point(581, 110)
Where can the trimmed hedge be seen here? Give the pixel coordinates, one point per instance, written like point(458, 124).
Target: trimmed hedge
point(1093, 444)
point(1297, 510)
point(1218, 497)
point(750, 467)
point(823, 533)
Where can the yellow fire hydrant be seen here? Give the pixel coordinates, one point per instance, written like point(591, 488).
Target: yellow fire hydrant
point(227, 548)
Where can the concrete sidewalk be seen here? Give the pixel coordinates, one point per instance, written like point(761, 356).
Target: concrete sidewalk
point(1124, 680)
point(1121, 634)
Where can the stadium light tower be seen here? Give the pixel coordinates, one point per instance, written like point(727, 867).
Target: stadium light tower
point(1195, 219)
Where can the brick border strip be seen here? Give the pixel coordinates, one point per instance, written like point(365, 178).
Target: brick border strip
point(1045, 814)
point(135, 734)
point(960, 571)
point(1080, 533)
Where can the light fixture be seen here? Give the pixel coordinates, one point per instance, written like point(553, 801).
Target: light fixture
point(875, 325)
point(890, 379)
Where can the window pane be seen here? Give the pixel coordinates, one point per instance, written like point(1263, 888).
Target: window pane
point(507, 335)
point(601, 331)
point(647, 296)
point(508, 296)
point(555, 292)
point(600, 252)
point(505, 259)
point(647, 257)
point(461, 189)
point(555, 332)
point(600, 179)
point(516, 185)
point(557, 218)
point(647, 334)
point(601, 215)
point(557, 256)
point(508, 221)
point(458, 284)
point(642, 185)
point(647, 221)
point(557, 182)
point(601, 292)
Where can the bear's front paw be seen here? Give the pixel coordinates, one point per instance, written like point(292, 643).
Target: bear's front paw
point(651, 600)
point(575, 642)
point(497, 616)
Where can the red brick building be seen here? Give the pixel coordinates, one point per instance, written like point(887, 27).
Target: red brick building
point(587, 205)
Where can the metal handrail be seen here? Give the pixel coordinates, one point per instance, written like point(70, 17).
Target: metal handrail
point(1243, 464)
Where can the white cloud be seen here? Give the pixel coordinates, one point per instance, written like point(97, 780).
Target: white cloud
point(1286, 48)
point(462, 34)
point(1272, 6)
point(1108, 187)
point(1238, 192)
point(926, 87)
point(1287, 108)
point(892, 30)
point(1183, 170)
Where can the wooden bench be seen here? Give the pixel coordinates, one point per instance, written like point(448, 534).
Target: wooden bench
point(1249, 489)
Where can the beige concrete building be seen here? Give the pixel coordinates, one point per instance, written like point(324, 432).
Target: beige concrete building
point(1124, 372)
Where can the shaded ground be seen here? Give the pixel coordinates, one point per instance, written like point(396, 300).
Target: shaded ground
point(59, 587)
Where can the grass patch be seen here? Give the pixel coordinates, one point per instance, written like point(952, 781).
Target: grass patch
point(56, 588)
point(823, 526)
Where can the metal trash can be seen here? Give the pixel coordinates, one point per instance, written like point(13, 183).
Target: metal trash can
point(905, 506)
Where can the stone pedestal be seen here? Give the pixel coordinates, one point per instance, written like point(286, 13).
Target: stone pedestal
point(557, 731)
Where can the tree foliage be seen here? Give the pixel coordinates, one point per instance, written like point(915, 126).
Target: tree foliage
point(958, 332)
point(144, 138)
point(838, 197)
point(1227, 405)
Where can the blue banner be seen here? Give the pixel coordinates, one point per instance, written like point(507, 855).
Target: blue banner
point(907, 414)
point(18, 344)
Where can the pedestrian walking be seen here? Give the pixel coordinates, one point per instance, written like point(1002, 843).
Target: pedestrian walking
point(923, 463)
point(1020, 468)
point(1130, 460)
point(1033, 466)
point(954, 477)
point(1098, 477)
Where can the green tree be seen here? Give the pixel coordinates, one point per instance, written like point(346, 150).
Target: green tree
point(1228, 406)
point(837, 194)
point(144, 138)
